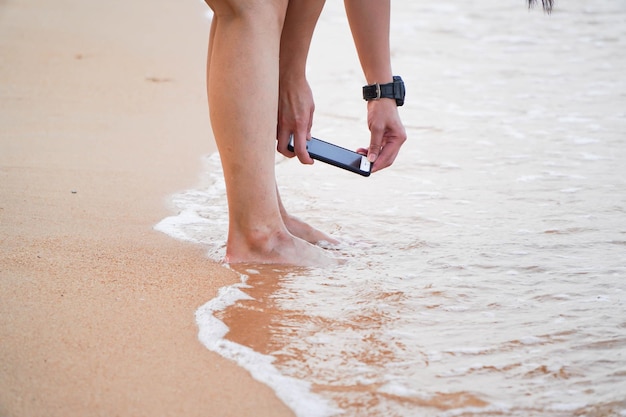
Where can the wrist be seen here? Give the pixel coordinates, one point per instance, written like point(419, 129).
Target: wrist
point(292, 67)
point(394, 90)
point(292, 74)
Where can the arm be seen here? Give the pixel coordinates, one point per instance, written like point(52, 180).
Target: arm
point(295, 103)
point(369, 22)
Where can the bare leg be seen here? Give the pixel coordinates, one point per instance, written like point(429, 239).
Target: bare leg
point(242, 77)
point(301, 229)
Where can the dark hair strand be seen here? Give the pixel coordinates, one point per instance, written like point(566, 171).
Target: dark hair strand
point(547, 4)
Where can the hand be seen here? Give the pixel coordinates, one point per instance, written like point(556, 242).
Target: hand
point(387, 133)
point(295, 117)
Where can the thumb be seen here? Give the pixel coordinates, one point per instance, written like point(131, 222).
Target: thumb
point(375, 144)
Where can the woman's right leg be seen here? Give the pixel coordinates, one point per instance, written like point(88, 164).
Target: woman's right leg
point(242, 78)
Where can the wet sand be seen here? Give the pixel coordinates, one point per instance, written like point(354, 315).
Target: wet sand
point(103, 114)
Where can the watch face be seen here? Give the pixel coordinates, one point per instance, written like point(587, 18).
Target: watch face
point(399, 91)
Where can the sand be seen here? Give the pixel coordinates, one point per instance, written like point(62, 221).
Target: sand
point(102, 116)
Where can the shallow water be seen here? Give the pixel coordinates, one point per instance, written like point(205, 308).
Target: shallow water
point(485, 271)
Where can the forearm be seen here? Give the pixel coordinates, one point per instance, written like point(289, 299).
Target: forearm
point(369, 23)
point(300, 21)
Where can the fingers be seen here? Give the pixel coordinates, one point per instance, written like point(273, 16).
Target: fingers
point(387, 133)
point(376, 142)
point(296, 122)
point(384, 147)
point(295, 118)
point(387, 155)
point(299, 139)
point(284, 136)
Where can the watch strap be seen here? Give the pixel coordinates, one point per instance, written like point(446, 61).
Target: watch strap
point(394, 90)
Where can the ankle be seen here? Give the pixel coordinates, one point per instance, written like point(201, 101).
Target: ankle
point(255, 243)
point(265, 240)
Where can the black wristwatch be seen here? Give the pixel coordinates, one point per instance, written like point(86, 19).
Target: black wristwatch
point(393, 90)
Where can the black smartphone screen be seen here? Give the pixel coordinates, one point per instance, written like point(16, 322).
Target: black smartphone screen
point(337, 156)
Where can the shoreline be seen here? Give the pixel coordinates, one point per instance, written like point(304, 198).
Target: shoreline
point(99, 127)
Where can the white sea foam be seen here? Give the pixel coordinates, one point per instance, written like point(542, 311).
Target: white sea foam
point(295, 393)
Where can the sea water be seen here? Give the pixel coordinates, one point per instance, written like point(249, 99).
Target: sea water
point(484, 272)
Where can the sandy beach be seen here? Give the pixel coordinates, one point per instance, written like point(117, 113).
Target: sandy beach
point(103, 115)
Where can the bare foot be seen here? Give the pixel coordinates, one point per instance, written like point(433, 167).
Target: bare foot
point(276, 248)
point(306, 232)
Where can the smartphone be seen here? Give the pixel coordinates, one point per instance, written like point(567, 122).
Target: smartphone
point(337, 156)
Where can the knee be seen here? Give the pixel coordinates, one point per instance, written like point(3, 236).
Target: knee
point(261, 11)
